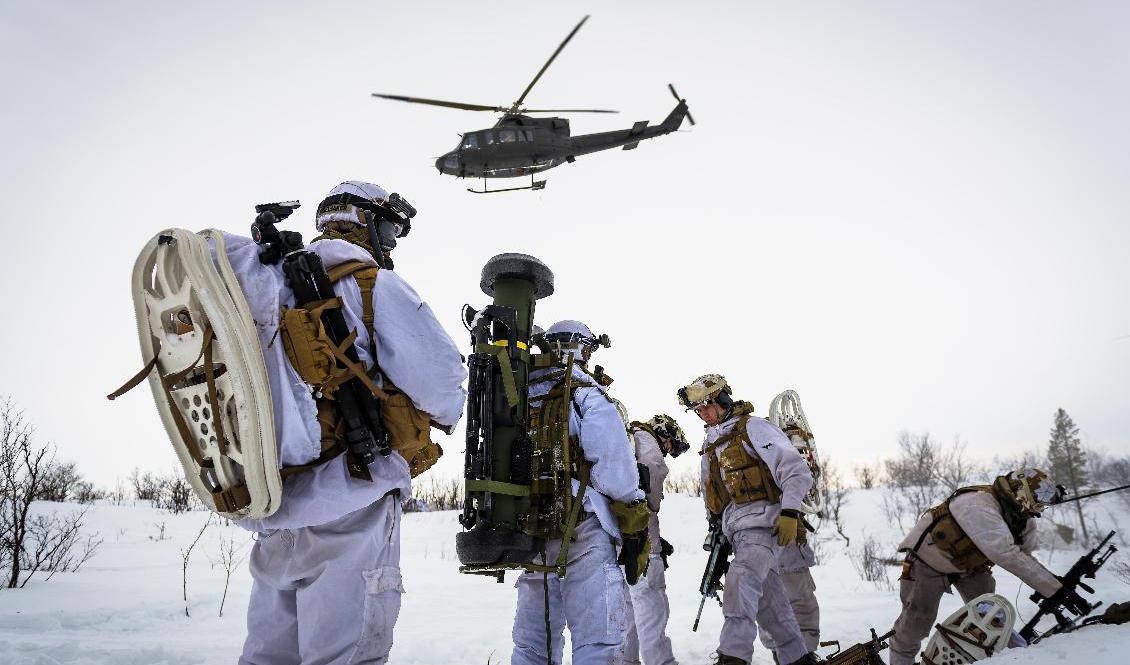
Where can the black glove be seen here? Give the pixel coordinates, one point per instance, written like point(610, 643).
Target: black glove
point(712, 519)
point(634, 555)
point(665, 550)
point(1075, 603)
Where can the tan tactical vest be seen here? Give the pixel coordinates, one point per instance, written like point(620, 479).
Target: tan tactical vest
point(951, 539)
point(316, 359)
point(747, 477)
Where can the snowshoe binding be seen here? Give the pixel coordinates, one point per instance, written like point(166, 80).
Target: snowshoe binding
point(207, 372)
point(981, 628)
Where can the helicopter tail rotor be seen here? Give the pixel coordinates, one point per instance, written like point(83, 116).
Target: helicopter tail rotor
point(681, 101)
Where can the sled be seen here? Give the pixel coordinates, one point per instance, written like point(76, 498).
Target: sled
point(981, 628)
point(210, 380)
point(786, 413)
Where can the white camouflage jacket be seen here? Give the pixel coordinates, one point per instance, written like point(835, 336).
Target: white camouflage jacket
point(788, 468)
point(979, 515)
point(650, 455)
point(597, 424)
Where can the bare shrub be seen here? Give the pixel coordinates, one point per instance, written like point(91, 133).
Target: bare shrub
point(1109, 471)
point(1121, 570)
point(48, 543)
point(56, 545)
point(85, 492)
point(835, 497)
point(866, 475)
point(688, 482)
point(912, 482)
point(436, 494)
point(185, 554)
point(147, 486)
point(176, 495)
point(230, 556)
point(59, 482)
point(871, 563)
point(956, 469)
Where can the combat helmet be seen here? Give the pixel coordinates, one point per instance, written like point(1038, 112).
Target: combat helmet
point(1033, 489)
point(706, 389)
point(571, 336)
point(373, 218)
point(665, 426)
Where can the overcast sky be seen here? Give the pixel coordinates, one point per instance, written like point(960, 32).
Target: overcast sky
point(915, 214)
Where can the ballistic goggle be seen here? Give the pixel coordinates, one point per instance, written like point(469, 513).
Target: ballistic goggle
point(572, 339)
point(396, 211)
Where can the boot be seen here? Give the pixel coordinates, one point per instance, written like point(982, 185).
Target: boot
point(723, 659)
point(809, 658)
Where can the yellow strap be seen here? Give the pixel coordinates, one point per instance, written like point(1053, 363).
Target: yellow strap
point(505, 342)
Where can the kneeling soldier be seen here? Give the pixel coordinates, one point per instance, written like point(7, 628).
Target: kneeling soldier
point(754, 481)
point(958, 542)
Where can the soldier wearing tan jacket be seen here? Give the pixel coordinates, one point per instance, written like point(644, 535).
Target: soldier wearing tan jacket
point(958, 542)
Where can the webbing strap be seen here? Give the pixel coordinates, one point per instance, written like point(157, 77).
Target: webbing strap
point(497, 487)
point(508, 383)
point(136, 379)
point(356, 369)
point(327, 455)
point(571, 519)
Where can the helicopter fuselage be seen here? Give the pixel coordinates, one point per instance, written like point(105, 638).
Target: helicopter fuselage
point(520, 145)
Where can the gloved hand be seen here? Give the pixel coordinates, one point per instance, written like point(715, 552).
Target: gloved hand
point(665, 550)
point(632, 519)
point(635, 554)
point(789, 528)
point(1076, 604)
point(712, 519)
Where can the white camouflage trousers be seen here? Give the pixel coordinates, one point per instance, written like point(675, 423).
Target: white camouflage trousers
point(592, 601)
point(326, 594)
point(651, 609)
point(754, 595)
point(801, 589)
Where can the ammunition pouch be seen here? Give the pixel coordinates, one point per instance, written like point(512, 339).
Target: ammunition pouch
point(951, 539)
point(324, 365)
point(746, 476)
point(631, 517)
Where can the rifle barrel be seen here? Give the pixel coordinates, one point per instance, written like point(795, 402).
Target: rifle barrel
point(698, 616)
point(1092, 494)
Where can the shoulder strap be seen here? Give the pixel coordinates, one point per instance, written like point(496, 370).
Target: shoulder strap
point(366, 276)
point(940, 511)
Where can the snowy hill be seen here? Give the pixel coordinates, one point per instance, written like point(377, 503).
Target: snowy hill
point(125, 606)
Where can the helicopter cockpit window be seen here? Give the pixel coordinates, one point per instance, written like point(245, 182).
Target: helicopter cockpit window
point(506, 136)
point(527, 135)
point(471, 141)
point(489, 138)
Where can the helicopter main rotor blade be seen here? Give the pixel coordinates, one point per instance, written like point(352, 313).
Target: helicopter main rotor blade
point(440, 102)
point(549, 62)
point(567, 111)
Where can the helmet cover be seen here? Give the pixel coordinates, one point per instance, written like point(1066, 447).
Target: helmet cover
point(703, 390)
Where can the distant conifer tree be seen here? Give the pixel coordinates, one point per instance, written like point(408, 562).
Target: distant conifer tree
point(1068, 461)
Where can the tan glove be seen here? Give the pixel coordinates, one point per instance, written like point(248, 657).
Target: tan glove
point(789, 528)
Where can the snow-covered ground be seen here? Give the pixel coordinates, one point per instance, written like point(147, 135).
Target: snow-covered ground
point(125, 606)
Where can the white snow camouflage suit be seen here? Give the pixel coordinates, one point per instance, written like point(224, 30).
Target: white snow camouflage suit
point(326, 565)
point(593, 598)
point(794, 567)
point(932, 572)
point(649, 595)
point(754, 594)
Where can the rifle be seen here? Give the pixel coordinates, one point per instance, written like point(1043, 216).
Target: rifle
point(864, 653)
point(716, 566)
point(1086, 566)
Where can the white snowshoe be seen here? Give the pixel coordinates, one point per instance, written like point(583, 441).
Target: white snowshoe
point(981, 628)
point(785, 412)
point(210, 382)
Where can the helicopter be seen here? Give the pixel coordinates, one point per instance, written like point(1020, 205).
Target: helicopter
point(520, 145)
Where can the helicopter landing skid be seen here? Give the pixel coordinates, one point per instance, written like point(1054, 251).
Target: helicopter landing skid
point(534, 185)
